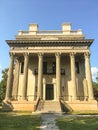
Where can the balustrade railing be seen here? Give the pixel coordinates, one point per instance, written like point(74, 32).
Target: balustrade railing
point(70, 98)
point(50, 32)
point(19, 97)
point(50, 71)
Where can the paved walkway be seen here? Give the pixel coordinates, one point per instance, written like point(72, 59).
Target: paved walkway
point(48, 121)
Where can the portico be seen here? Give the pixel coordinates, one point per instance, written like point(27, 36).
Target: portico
point(49, 65)
point(44, 75)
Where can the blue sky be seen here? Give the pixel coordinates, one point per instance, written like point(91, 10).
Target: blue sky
point(49, 14)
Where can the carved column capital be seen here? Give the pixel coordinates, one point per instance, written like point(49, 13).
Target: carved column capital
point(72, 54)
point(40, 54)
point(25, 54)
point(58, 54)
point(87, 54)
point(12, 54)
point(17, 59)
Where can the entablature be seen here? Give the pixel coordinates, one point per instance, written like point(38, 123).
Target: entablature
point(50, 49)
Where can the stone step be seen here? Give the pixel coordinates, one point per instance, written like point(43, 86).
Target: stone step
point(49, 106)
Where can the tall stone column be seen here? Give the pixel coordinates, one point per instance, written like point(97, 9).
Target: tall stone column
point(58, 75)
point(25, 78)
point(88, 76)
point(16, 78)
point(40, 73)
point(10, 78)
point(73, 76)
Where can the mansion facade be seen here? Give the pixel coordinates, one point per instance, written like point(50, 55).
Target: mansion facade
point(49, 66)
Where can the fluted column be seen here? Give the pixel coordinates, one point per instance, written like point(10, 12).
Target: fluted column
point(88, 76)
point(10, 78)
point(16, 78)
point(25, 78)
point(73, 76)
point(40, 73)
point(58, 75)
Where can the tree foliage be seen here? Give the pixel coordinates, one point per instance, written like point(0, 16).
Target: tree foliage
point(95, 89)
point(3, 84)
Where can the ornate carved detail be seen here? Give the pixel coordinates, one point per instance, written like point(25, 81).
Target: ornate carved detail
point(26, 54)
point(72, 54)
point(12, 54)
point(40, 54)
point(58, 54)
point(87, 54)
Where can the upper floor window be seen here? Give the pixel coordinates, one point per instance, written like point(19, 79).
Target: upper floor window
point(77, 67)
point(45, 67)
point(22, 68)
point(54, 67)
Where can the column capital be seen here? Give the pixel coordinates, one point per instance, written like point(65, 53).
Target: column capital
point(87, 54)
point(17, 59)
point(72, 54)
point(40, 54)
point(58, 54)
point(25, 54)
point(11, 54)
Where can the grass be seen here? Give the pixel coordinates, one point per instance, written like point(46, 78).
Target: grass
point(19, 121)
point(78, 123)
point(91, 112)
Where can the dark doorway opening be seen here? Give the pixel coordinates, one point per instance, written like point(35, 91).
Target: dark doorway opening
point(49, 92)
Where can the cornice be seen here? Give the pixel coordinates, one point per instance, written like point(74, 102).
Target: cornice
point(83, 42)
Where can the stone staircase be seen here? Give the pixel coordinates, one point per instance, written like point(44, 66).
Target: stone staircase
point(49, 106)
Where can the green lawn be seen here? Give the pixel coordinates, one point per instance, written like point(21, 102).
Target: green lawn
point(78, 123)
point(19, 121)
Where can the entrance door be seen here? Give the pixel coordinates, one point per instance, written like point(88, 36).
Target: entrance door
point(49, 92)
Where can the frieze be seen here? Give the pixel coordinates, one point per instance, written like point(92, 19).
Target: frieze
point(50, 48)
point(36, 51)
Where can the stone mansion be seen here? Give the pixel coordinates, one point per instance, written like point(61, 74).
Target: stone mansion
point(48, 70)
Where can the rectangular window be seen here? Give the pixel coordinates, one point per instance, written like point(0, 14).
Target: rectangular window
point(77, 67)
point(22, 67)
point(54, 67)
point(44, 67)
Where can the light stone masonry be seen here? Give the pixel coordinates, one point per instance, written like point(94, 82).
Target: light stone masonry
point(53, 66)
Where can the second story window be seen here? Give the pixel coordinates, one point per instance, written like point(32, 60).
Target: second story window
point(77, 67)
point(54, 67)
point(22, 68)
point(45, 67)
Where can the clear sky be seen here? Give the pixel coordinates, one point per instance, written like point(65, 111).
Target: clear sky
point(49, 14)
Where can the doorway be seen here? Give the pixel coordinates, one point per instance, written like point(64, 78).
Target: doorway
point(49, 92)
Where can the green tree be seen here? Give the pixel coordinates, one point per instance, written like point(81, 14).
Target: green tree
point(95, 89)
point(97, 77)
point(3, 84)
